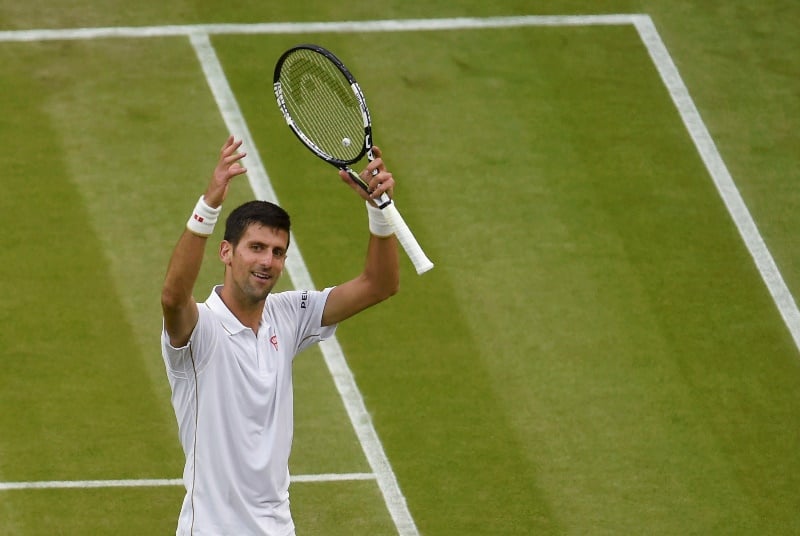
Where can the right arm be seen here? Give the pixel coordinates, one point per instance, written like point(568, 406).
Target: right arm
point(177, 300)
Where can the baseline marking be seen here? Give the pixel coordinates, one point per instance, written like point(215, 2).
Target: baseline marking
point(297, 270)
point(416, 25)
point(768, 269)
point(162, 482)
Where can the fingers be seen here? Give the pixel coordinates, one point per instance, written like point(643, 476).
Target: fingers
point(382, 183)
point(353, 183)
point(228, 166)
point(374, 181)
point(231, 146)
point(378, 179)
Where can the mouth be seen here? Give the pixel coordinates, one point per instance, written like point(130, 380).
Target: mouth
point(262, 276)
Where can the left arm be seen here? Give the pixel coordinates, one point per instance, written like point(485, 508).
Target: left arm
point(380, 278)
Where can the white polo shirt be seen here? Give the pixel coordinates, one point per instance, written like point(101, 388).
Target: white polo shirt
point(232, 395)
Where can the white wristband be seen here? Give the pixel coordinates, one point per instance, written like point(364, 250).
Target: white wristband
point(203, 219)
point(377, 222)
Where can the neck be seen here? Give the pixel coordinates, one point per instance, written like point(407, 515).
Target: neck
point(246, 311)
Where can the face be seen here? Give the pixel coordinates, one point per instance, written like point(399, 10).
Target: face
point(252, 267)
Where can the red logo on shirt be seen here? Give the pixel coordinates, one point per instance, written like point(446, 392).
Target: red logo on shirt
point(274, 341)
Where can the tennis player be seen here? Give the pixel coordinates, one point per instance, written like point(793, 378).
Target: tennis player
point(229, 359)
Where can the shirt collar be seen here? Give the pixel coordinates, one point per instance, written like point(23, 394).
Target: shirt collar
point(221, 311)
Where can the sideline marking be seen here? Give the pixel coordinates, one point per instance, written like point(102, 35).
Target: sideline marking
point(163, 482)
point(297, 270)
point(722, 178)
point(301, 279)
point(765, 263)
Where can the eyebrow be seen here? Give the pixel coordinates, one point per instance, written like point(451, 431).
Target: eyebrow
point(250, 243)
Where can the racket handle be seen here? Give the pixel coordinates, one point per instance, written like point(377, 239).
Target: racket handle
point(406, 238)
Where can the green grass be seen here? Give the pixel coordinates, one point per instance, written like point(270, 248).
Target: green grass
point(92, 511)
point(594, 353)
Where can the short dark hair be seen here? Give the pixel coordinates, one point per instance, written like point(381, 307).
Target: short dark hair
point(260, 212)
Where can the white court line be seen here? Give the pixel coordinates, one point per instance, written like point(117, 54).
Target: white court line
point(298, 273)
point(163, 482)
point(295, 265)
point(83, 484)
point(364, 26)
point(722, 178)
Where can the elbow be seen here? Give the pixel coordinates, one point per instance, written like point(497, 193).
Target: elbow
point(390, 289)
point(381, 290)
point(395, 288)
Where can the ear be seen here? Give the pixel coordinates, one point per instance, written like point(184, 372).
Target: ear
point(226, 252)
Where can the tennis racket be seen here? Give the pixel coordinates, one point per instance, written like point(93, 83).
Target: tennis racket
point(323, 105)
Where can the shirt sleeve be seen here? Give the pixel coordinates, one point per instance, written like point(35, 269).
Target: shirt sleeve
point(186, 360)
point(303, 310)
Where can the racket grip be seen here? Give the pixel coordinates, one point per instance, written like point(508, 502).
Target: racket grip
point(406, 238)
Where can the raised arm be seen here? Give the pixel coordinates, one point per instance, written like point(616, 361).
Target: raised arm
point(177, 300)
point(381, 276)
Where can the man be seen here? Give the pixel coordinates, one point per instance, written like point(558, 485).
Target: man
point(229, 359)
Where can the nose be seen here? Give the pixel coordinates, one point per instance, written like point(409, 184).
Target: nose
point(266, 259)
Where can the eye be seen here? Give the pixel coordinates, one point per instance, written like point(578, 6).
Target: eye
point(278, 253)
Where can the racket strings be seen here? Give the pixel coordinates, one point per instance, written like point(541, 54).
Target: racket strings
point(322, 104)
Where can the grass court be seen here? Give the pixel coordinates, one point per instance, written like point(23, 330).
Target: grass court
point(608, 343)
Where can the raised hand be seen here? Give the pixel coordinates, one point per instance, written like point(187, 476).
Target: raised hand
point(228, 167)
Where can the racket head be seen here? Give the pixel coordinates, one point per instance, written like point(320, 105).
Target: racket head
point(323, 104)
